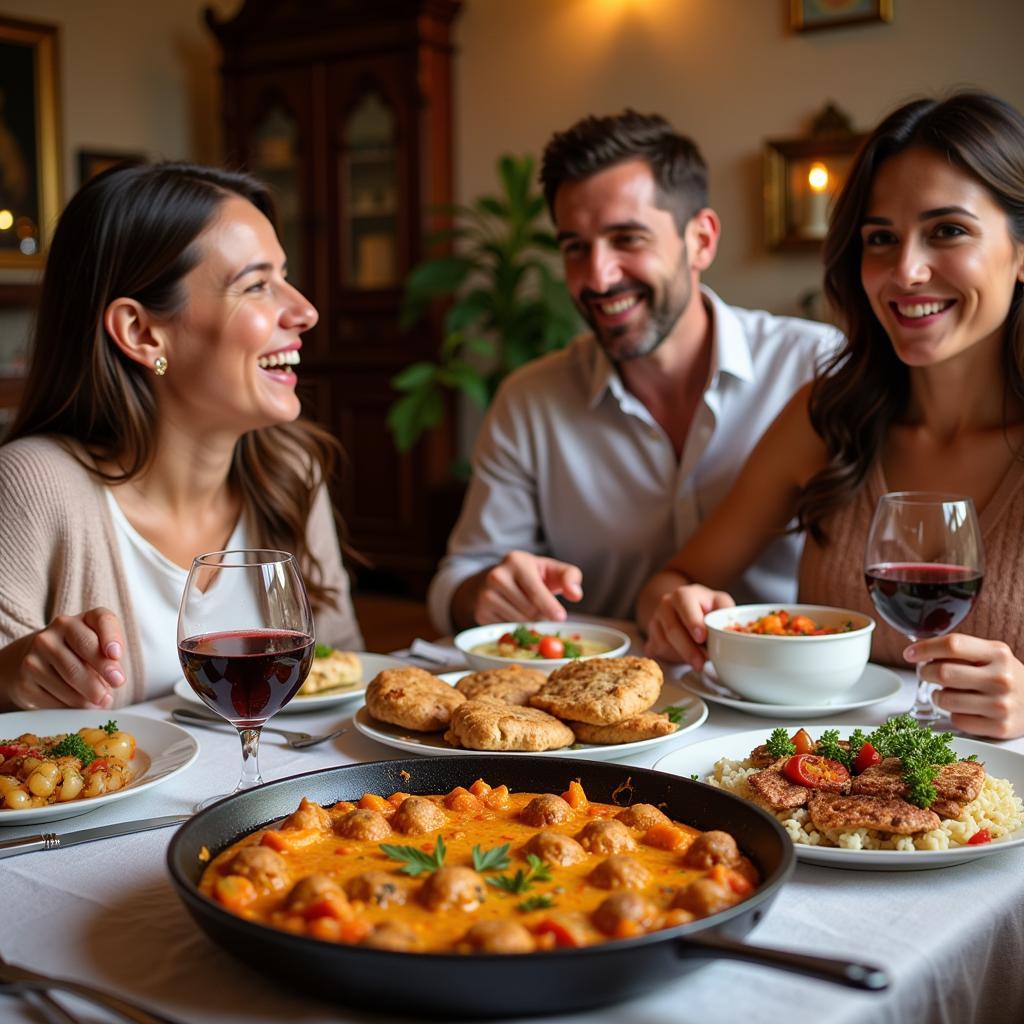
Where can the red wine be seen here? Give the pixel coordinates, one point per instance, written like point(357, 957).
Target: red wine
point(247, 675)
point(923, 599)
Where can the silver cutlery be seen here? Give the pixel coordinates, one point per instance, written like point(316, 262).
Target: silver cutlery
point(57, 841)
point(295, 740)
point(22, 980)
point(52, 1011)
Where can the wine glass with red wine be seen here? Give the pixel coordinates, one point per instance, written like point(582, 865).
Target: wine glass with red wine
point(245, 641)
point(923, 566)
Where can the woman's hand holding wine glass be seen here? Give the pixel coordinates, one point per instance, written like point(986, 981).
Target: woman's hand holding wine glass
point(923, 566)
point(245, 641)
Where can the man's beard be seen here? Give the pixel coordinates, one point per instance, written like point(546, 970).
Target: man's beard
point(661, 317)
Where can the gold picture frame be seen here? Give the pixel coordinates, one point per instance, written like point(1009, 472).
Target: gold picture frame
point(30, 192)
point(795, 211)
point(811, 15)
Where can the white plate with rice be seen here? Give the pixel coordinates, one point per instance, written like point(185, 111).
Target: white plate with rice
point(994, 808)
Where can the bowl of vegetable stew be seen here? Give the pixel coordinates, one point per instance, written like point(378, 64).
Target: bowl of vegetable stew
point(544, 646)
point(796, 654)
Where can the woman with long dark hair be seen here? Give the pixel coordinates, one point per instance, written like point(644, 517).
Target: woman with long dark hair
point(925, 266)
point(159, 421)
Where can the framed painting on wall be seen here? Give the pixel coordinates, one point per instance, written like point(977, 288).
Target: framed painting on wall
point(810, 15)
point(91, 162)
point(29, 141)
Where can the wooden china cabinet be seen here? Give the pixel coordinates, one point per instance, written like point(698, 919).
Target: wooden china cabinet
point(344, 107)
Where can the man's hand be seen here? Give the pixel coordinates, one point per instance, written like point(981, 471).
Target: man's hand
point(676, 631)
point(520, 588)
point(982, 683)
point(74, 662)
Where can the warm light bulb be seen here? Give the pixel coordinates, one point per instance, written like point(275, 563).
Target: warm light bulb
point(817, 177)
point(6, 219)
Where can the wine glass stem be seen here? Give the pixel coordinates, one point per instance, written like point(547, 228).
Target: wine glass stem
point(250, 758)
point(924, 710)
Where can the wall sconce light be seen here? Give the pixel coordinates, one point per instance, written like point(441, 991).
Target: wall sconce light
point(801, 178)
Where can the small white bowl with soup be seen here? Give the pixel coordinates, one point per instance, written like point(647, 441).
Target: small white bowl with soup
point(499, 645)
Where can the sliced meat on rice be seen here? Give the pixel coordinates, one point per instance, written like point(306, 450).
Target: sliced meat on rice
point(956, 784)
point(774, 790)
point(834, 812)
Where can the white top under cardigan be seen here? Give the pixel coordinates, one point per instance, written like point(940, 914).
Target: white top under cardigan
point(156, 585)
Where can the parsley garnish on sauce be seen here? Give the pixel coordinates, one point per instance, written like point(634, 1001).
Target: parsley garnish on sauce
point(522, 880)
point(416, 861)
point(495, 859)
point(539, 902)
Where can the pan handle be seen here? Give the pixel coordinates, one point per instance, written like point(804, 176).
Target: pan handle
point(841, 972)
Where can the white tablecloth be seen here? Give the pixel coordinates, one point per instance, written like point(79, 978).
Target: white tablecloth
point(952, 939)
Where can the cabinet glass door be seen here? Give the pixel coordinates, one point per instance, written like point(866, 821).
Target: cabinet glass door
point(275, 160)
point(369, 190)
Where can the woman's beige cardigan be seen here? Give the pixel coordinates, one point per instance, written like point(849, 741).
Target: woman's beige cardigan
point(59, 554)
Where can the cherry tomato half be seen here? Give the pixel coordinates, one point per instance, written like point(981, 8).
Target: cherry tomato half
point(816, 772)
point(551, 647)
point(981, 836)
point(803, 742)
point(866, 757)
point(506, 640)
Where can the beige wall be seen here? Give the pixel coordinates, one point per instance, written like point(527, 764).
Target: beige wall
point(142, 76)
point(727, 72)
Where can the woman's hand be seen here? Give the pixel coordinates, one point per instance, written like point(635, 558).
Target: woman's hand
point(74, 662)
point(982, 683)
point(676, 629)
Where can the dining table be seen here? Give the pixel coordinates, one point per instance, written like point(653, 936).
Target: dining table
point(950, 938)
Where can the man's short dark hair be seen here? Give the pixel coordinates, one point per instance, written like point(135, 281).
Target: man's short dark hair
point(596, 143)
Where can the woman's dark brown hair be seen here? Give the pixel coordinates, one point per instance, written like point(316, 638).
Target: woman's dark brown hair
point(865, 387)
point(132, 232)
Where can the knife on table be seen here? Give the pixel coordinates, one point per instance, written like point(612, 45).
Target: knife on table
point(53, 841)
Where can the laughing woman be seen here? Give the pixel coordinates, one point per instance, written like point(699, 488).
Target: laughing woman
point(159, 421)
point(924, 264)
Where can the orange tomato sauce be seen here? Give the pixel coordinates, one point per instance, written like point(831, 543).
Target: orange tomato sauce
point(555, 905)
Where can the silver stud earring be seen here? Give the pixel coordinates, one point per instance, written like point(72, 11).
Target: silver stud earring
point(160, 366)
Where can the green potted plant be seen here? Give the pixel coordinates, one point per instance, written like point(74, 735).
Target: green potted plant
point(508, 304)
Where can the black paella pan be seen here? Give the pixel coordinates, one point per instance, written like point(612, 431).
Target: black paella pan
point(560, 980)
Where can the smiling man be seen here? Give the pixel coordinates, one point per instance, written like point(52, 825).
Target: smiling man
point(596, 462)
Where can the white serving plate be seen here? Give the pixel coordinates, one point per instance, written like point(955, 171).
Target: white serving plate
point(372, 664)
point(877, 684)
point(432, 743)
point(699, 759)
point(163, 750)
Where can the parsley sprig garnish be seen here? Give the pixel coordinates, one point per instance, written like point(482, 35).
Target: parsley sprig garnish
point(522, 880)
point(674, 713)
point(525, 637)
point(921, 752)
point(73, 746)
point(110, 728)
point(539, 902)
point(416, 861)
point(779, 744)
point(322, 651)
point(495, 859)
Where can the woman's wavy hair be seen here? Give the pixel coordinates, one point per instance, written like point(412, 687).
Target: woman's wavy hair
point(133, 232)
point(861, 392)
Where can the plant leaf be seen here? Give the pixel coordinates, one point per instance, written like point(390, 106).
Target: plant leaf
point(414, 376)
point(410, 416)
point(495, 859)
point(415, 861)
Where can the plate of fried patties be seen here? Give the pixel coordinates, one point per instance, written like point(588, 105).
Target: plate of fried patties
point(590, 708)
